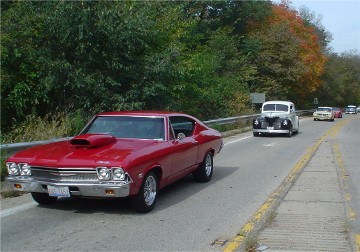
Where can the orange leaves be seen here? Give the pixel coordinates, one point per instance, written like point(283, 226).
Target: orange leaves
point(310, 52)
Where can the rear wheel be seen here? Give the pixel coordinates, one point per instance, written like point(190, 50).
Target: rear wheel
point(145, 200)
point(205, 170)
point(43, 198)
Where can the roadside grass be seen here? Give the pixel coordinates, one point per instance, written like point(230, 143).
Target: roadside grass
point(269, 218)
point(36, 128)
point(250, 243)
point(346, 227)
point(11, 194)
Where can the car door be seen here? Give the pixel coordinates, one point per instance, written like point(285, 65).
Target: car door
point(184, 146)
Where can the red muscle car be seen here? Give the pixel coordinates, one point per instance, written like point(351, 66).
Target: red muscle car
point(338, 112)
point(118, 154)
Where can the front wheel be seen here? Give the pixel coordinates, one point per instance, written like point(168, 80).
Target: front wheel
point(289, 134)
point(43, 198)
point(145, 200)
point(205, 170)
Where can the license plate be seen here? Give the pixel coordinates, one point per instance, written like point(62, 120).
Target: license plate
point(270, 128)
point(58, 191)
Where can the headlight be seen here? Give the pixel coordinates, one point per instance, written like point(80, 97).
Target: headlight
point(12, 168)
point(256, 122)
point(25, 169)
point(103, 173)
point(285, 122)
point(118, 174)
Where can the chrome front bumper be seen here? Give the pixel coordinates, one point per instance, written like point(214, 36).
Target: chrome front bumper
point(87, 189)
point(325, 117)
point(271, 131)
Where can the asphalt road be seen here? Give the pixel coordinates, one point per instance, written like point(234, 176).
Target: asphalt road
point(189, 216)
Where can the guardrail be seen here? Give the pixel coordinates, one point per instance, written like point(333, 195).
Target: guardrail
point(9, 149)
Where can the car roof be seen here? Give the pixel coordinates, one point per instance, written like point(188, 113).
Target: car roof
point(278, 102)
point(142, 113)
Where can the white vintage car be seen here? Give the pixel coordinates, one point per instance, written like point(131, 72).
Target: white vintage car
point(351, 109)
point(324, 113)
point(277, 117)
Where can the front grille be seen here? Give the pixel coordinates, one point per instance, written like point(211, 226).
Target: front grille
point(64, 174)
point(277, 125)
point(264, 125)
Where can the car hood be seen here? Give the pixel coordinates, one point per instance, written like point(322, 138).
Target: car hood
point(82, 151)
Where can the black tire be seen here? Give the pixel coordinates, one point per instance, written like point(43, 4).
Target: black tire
point(205, 170)
point(255, 134)
point(289, 134)
point(145, 200)
point(43, 198)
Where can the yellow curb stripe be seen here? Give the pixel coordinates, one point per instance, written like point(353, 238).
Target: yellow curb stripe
point(259, 214)
point(357, 241)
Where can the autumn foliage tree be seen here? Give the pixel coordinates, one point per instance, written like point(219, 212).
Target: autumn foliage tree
point(289, 57)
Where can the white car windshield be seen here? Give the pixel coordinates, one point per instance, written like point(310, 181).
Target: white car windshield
point(324, 109)
point(275, 108)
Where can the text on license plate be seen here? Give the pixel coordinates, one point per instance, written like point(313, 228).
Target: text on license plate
point(58, 191)
point(270, 128)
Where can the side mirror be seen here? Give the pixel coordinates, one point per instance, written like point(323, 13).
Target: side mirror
point(180, 136)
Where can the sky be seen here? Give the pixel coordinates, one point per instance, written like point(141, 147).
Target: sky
point(339, 17)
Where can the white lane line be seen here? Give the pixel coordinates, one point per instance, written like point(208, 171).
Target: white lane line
point(237, 140)
point(14, 210)
point(270, 144)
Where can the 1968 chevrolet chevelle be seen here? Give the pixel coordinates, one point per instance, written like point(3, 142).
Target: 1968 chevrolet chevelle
point(118, 154)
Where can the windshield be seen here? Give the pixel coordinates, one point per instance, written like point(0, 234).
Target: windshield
point(324, 109)
point(128, 127)
point(275, 107)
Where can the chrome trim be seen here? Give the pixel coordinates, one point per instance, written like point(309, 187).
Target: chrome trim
point(81, 182)
point(121, 189)
point(270, 131)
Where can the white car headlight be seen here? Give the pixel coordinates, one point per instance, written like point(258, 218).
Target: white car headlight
point(118, 173)
point(103, 173)
point(285, 122)
point(12, 168)
point(256, 122)
point(25, 169)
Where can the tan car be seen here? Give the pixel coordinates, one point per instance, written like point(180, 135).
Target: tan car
point(324, 114)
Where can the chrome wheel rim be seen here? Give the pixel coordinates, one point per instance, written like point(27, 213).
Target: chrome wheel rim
point(208, 165)
point(150, 190)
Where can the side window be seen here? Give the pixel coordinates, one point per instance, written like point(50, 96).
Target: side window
point(182, 124)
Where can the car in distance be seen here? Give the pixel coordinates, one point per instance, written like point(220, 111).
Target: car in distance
point(277, 117)
point(337, 112)
point(324, 114)
point(351, 109)
point(118, 154)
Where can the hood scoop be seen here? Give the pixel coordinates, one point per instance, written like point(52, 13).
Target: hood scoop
point(92, 140)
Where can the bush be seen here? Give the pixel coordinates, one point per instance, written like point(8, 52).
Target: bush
point(2, 165)
point(35, 128)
